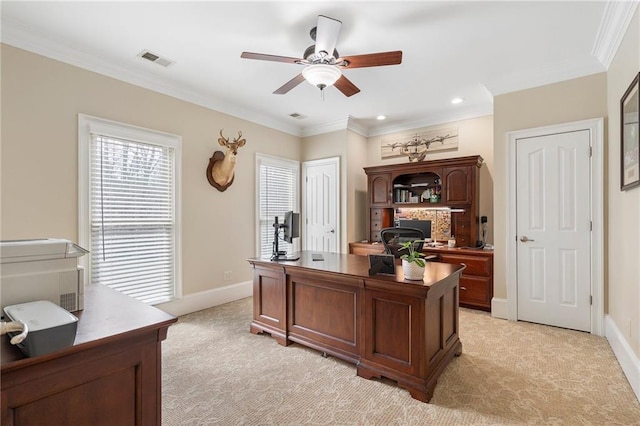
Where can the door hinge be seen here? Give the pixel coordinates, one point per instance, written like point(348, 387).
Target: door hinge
point(590, 151)
point(591, 300)
point(591, 226)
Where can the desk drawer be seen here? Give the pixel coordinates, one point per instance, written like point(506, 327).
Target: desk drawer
point(366, 249)
point(475, 290)
point(476, 265)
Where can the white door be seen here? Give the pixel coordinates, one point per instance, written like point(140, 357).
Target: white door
point(321, 204)
point(553, 229)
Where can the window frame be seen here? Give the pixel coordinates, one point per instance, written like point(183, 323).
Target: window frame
point(278, 162)
point(88, 124)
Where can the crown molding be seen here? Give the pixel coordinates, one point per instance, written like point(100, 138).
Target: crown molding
point(349, 123)
point(435, 119)
point(354, 126)
point(615, 21)
point(566, 69)
point(23, 38)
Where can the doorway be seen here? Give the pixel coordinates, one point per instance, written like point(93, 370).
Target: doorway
point(554, 242)
point(321, 204)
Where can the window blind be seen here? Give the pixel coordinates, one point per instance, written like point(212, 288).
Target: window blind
point(277, 194)
point(132, 217)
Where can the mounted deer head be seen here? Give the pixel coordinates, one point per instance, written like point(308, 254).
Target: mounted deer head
point(220, 170)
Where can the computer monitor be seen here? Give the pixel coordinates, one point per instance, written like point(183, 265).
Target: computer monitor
point(291, 226)
point(423, 225)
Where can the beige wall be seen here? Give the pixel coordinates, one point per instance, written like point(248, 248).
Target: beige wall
point(475, 137)
point(623, 207)
point(572, 100)
point(41, 99)
point(357, 204)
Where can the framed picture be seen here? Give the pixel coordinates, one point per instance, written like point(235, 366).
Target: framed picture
point(382, 264)
point(630, 136)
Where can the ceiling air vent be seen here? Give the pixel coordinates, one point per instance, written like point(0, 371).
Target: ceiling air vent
point(296, 115)
point(149, 56)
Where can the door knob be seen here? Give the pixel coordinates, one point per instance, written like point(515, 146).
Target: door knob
point(333, 231)
point(525, 239)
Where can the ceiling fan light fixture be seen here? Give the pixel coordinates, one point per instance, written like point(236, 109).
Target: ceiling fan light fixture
point(321, 75)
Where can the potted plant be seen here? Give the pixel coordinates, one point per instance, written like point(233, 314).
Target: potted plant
point(412, 262)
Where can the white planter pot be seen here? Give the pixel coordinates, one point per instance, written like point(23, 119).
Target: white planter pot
point(412, 271)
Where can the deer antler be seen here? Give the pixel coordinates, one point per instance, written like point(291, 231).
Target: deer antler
point(239, 141)
point(222, 140)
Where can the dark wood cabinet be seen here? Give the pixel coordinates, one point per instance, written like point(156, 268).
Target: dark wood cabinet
point(476, 282)
point(110, 376)
point(453, 181)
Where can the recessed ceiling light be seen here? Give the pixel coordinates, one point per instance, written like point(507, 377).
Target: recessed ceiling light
point(457, 100)
point(381, 117)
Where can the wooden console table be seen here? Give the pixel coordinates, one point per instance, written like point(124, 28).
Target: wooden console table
point(406, 331)
point(110, 376)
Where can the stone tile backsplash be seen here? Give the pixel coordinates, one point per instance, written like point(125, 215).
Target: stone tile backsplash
point(440, 220)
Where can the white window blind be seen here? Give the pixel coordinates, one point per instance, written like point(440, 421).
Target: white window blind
point(132, 216)
point(277, 193)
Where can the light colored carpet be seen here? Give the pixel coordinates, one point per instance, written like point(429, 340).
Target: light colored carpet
point(510, 373)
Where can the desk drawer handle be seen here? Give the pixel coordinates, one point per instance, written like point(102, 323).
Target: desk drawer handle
point(463, 288)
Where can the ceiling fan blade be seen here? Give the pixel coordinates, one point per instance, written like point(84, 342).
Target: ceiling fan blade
point(327, 35)
point(373, 59)
point(346, 86)
point(289, 85)
point(265, 57)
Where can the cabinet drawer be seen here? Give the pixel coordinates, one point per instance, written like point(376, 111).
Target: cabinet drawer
point(376, 214)
point(475, 265)
point(376, 226)
point(475, 290)
point(366, 249)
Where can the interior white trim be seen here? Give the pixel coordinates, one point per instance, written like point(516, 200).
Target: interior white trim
point(614, 24)
point(435, 119)
point(626, 357)
point(499, 308)
point(567, 69)
point(29, 40)
point(207, 299)
point(595, 127)
point(87, 124)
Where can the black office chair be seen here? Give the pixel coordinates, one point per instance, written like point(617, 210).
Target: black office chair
point(393, 238)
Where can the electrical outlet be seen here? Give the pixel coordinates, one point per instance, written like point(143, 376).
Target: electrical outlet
point(227, 275)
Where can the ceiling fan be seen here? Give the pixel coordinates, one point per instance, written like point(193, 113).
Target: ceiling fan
point(323, 64)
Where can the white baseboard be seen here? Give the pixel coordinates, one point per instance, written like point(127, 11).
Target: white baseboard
point(206, 299)
point(499, 308)
point(626, 357)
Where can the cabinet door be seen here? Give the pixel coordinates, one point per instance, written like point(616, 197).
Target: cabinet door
point(457, 185)
point(379, 190)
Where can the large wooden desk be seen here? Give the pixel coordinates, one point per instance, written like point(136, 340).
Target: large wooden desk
point(110, 376)
point(476, 282)
point(406, 331)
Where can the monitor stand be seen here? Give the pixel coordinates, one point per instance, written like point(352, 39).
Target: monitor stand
point(290, 257)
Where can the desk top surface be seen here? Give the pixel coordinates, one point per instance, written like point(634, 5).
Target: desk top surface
point(358, 266)
point(107, 314)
